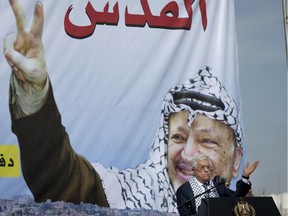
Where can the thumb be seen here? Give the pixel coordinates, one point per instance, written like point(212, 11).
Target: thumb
point(15, 60)
point(247, 164)
point(9, 41)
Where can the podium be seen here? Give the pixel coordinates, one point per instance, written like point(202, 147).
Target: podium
point(236, 206)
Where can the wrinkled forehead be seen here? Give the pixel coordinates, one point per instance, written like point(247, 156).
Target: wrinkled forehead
point(203, 162)
point(205, 94)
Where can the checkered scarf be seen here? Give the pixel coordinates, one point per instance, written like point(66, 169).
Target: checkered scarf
point(198, 189)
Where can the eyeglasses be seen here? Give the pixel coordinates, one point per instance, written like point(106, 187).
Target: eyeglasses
point(202, 167)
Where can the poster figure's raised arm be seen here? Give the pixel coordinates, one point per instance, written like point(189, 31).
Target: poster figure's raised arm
point(51, 169)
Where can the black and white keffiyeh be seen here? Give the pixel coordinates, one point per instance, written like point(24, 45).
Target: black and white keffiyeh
point(198, 190)
point(148, 186)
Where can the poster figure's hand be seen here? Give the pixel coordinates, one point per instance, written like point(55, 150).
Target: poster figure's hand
point(24, 50)
point(249, 169)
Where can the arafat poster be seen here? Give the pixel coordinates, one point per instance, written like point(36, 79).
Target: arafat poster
point(101, 80)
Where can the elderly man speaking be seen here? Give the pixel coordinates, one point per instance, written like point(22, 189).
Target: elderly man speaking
point(201, 185)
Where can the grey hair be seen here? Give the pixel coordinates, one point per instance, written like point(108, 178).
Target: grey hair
point(200, 157)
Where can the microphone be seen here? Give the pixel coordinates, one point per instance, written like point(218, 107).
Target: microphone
point(219, 180)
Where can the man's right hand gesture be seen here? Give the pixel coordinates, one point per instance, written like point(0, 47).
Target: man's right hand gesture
point(24, 49)
point(248, 170)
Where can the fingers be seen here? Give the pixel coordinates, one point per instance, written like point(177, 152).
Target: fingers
point(38, 20)
point(247, 164)
point(255, 164)
point(9, 41)
point(15, 60)
point(19, 15)
point(8, 49)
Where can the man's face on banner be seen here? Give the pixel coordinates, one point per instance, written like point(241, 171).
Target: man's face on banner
point(204, 136)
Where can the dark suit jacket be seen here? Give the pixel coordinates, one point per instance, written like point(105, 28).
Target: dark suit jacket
point(186, 200)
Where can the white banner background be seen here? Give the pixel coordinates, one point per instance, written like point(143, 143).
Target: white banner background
point(109, 86)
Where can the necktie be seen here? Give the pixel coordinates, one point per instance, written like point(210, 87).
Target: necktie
point(205, 185)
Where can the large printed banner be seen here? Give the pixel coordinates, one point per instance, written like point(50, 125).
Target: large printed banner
point(110, 66)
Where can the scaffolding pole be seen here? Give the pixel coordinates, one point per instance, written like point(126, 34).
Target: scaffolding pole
point(285, 19)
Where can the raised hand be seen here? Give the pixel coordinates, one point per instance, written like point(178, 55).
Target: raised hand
point(249, 169)
point(24, 49)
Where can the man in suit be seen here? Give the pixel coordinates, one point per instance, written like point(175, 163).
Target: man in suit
point(201, 185)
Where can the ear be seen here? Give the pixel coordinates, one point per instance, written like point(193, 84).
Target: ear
point(193, 171)
point(237, 161)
